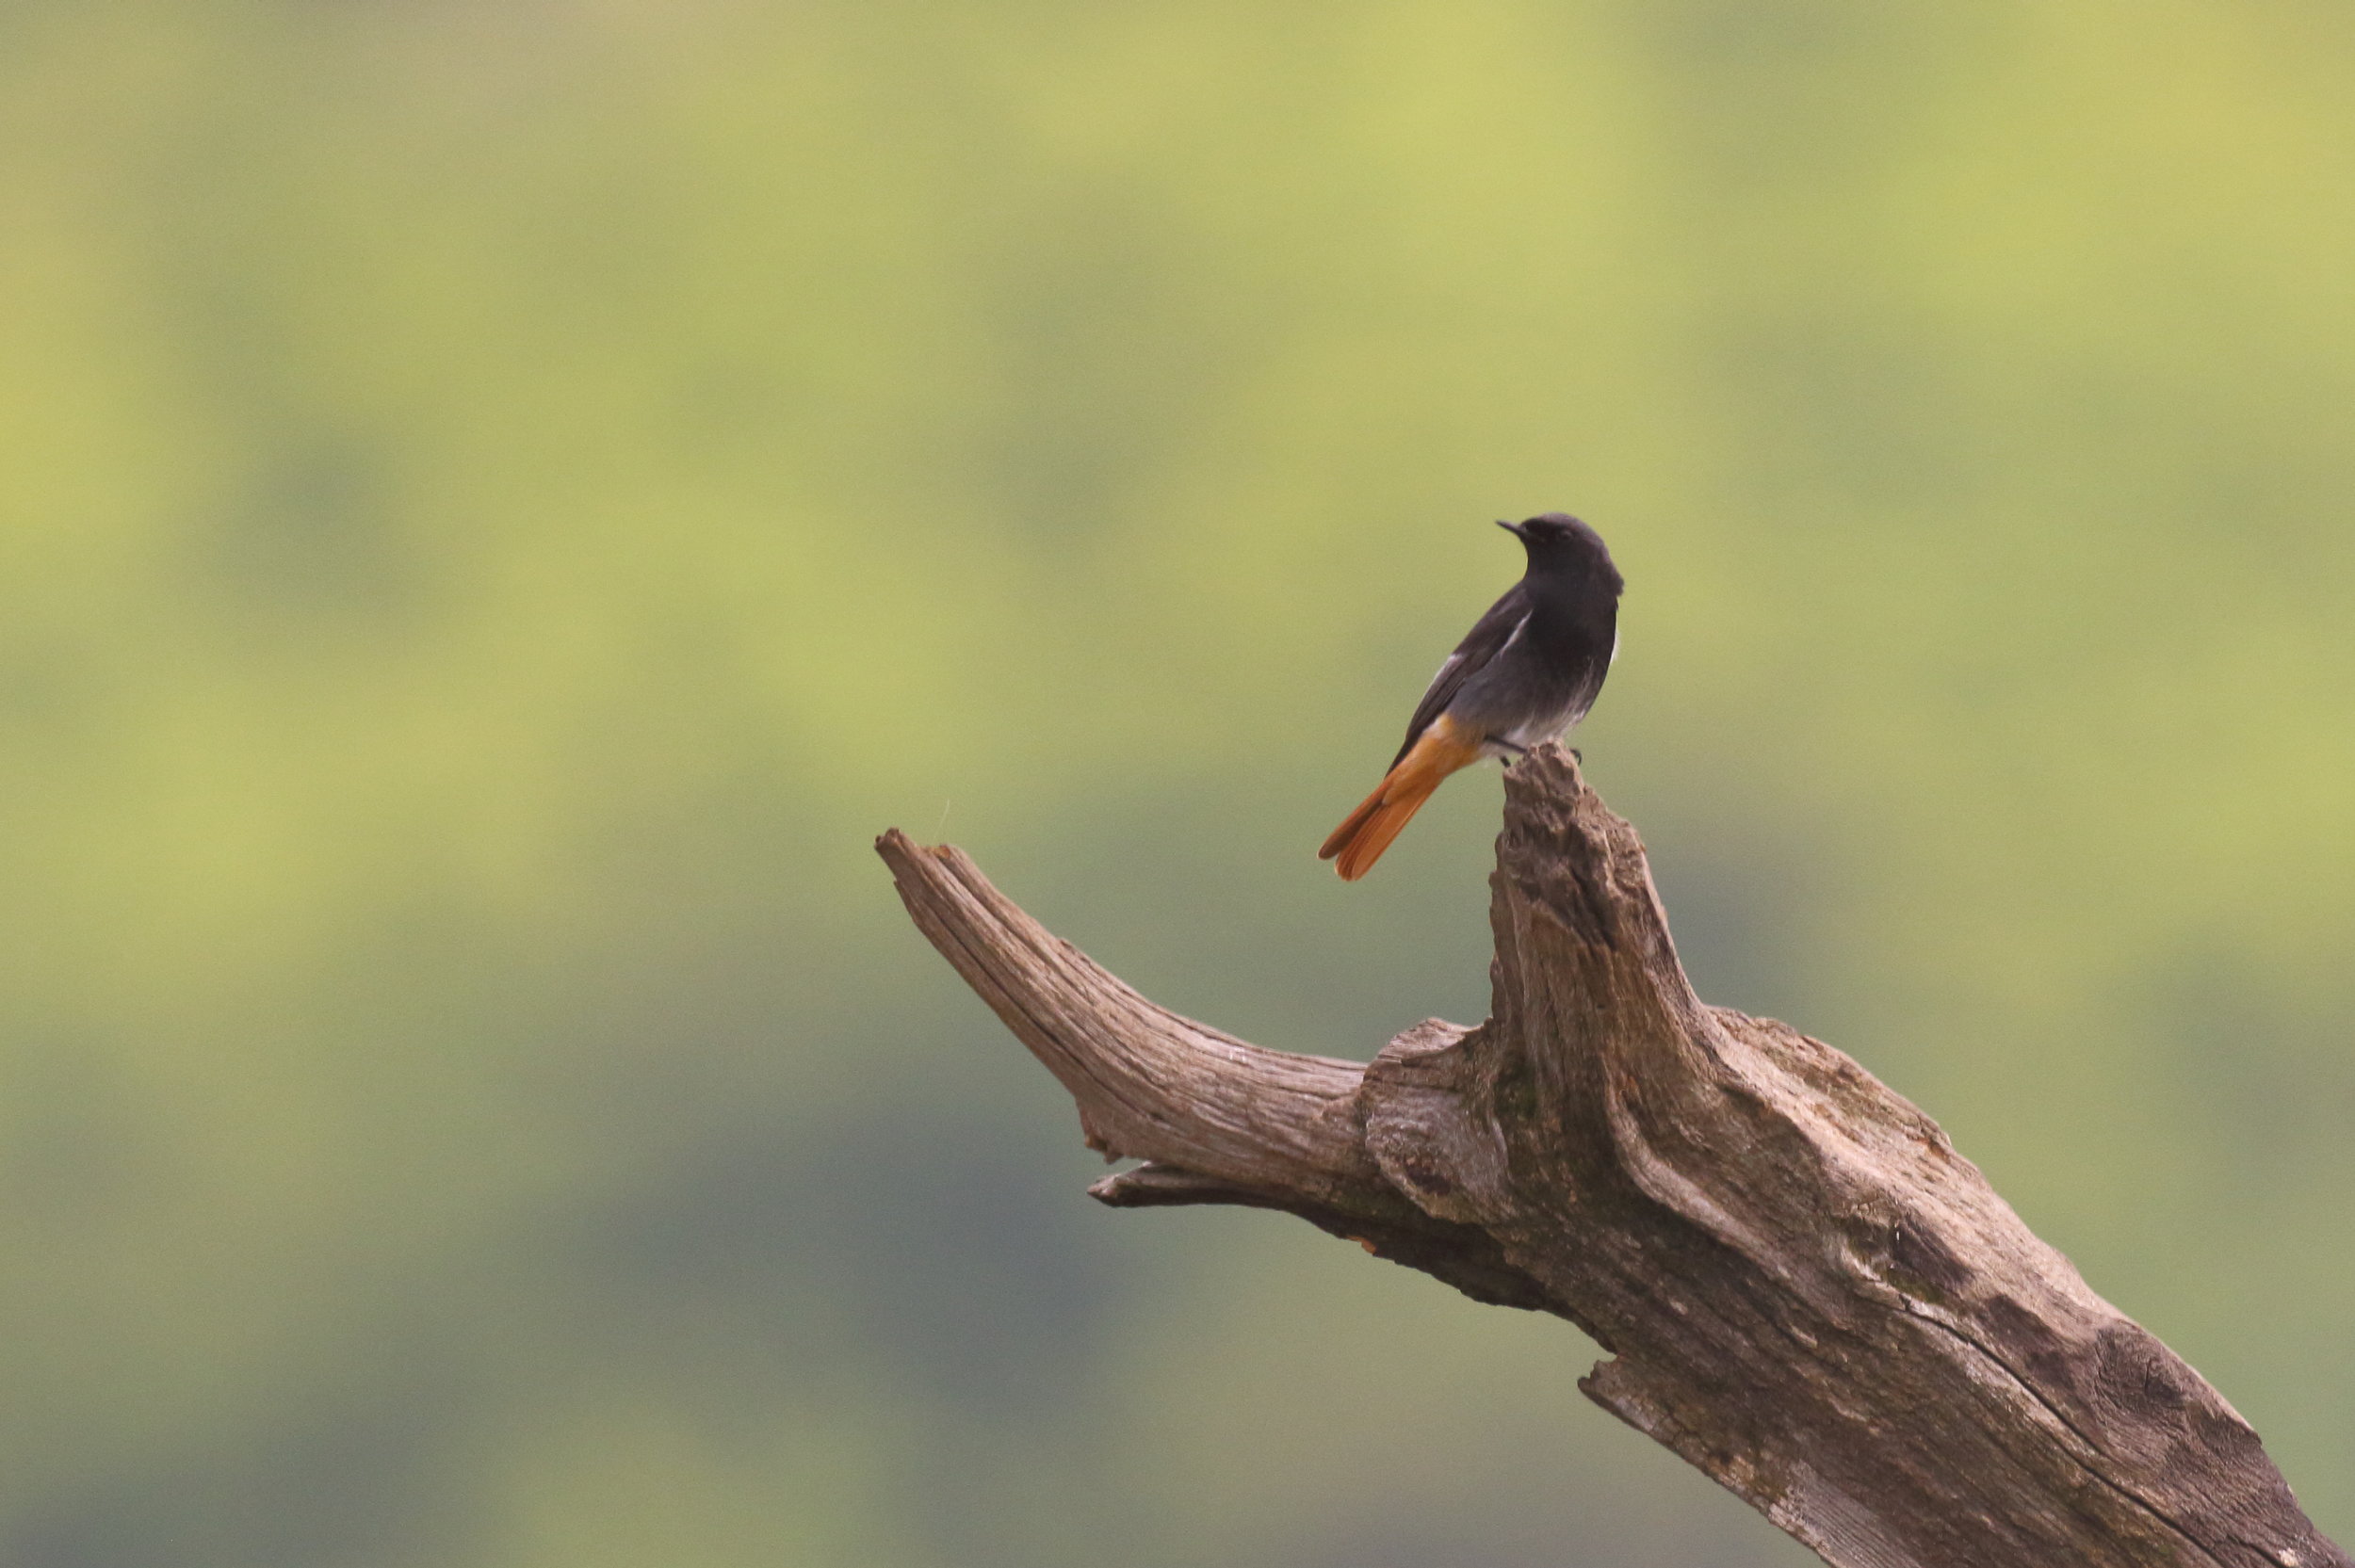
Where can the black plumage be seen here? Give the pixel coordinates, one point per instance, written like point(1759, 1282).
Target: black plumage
point(1527, 671)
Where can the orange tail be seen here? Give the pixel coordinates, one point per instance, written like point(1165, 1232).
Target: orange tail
point(1362, 836)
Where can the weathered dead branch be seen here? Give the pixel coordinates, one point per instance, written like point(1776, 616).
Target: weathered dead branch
point(1804, 1290)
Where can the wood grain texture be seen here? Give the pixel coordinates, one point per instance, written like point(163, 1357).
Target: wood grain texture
point(1803, 1289)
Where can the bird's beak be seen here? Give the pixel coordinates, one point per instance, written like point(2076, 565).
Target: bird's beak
point(1513, 528)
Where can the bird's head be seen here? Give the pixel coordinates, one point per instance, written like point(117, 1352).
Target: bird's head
point(1558, 542)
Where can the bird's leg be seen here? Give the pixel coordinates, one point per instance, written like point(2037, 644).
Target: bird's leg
point(1512, 753)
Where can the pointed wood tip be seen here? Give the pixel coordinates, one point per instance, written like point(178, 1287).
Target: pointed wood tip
point(1548, 772)
point(901, 852)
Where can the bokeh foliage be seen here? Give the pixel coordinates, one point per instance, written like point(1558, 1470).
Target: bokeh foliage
point(502, 502)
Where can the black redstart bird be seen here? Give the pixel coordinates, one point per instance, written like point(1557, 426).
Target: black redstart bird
point(1526, 671)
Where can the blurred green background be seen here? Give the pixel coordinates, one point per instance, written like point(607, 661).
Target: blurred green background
point(502, 502)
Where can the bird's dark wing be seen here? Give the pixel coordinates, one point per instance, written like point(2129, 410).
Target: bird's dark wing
point(1490, 633)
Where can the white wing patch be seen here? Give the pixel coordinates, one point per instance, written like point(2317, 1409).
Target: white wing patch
point(1439, 676)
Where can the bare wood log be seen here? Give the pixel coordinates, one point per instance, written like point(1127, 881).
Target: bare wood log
point(1803, 1289)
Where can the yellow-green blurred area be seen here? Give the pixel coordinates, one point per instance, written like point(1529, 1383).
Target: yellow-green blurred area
point(501, 503)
